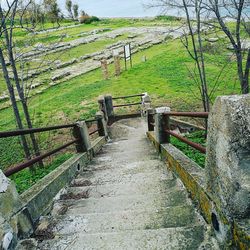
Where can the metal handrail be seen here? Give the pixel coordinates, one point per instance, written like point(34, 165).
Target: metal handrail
point(33, 130)
point(31, 162)
point(188, 114)
point(126, 105)
point(128, 96)
point(190, 143)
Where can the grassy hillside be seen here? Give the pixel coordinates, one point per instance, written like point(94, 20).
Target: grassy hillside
point(165, 76)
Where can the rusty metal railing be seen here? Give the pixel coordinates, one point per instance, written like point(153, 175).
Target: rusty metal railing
point(127, 104)
point(12, 170)
point(167, 129)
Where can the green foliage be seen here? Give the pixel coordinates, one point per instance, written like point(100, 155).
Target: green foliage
point(196, 156)
point(26, 179)
point(89, 19)
point(168, 18)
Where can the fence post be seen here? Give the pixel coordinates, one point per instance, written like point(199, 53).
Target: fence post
point(81, 132)
point(102, 126)
point(162, 122)
point(145, 104)
point(150, 118)
point(102, 106)
point(109, 107)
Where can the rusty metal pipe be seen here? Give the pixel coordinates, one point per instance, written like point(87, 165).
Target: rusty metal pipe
point(190, 143)
point(127, 105)
point(188, 114)
point(29, 163)
point(93, 132)
point(128, 96)
point(33, 130)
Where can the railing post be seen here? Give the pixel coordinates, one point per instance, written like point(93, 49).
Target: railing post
point(102, 125)
point(150, 119)
point(145, 103)
point(81, 132)
point(102, 106)
point(109, 107)
point(162, 123)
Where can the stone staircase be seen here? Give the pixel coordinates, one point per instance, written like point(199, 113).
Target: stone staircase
point(126, 199)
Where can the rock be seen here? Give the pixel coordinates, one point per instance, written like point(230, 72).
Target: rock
point(212, 39)
point(60, 76)
point(27, 244)
point(59, 209)
point(228, 155)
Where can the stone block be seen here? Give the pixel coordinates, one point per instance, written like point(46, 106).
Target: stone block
point(228, 155)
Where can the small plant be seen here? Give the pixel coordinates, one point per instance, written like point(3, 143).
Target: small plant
point(196, 156)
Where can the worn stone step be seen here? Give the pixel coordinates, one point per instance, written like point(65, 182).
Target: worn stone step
point(126, 202)
point(114, 177)
point(115, 221)
point(149, 165)
point(140, 187)
point(181, 238)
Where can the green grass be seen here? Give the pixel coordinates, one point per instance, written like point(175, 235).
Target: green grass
point(193, 154)
point(164, 76)
point(26, 179)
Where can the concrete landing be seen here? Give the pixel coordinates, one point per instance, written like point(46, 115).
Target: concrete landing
point(126, 199)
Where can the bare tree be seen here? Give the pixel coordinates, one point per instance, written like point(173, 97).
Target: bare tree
point(76, 11)
point(8, 81)
point(68, 5)
point(238, 12)
point(192, 30)
point(7, 35)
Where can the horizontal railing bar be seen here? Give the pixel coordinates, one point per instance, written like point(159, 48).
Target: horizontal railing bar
point(93, 132)
point(33, 130)
point(127, 105)
point(190, 143)
point(89, 121)
point(128, 96)
point(188, 114)
point(31, 162)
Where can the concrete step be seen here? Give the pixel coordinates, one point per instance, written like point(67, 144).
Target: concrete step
point(134, 166)
point(181, 238)
point(141, 187)
point(104, 177)
point(116, 221)
point(126, 202)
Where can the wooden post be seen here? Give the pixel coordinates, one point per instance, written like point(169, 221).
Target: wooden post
point(104, 66)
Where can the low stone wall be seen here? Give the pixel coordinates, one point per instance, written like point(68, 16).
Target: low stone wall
point(19, 213)
point(221, 190)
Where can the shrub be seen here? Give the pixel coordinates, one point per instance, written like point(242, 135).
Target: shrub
point(88, 19)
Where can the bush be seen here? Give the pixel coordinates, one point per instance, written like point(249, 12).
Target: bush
point(88, 19)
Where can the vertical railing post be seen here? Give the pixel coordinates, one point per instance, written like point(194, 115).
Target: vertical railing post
point(109, 107)
point(101, 124)
point(150, 119)
point(145, 104)
point(81, 132)
point(102, 106)
point(162, 123)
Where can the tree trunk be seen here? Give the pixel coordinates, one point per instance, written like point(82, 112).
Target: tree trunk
point(22, 97)
point(14, 104)
point(8, 40)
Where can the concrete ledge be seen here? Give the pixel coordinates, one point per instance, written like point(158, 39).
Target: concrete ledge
point(38, 199)
point(193, 177)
